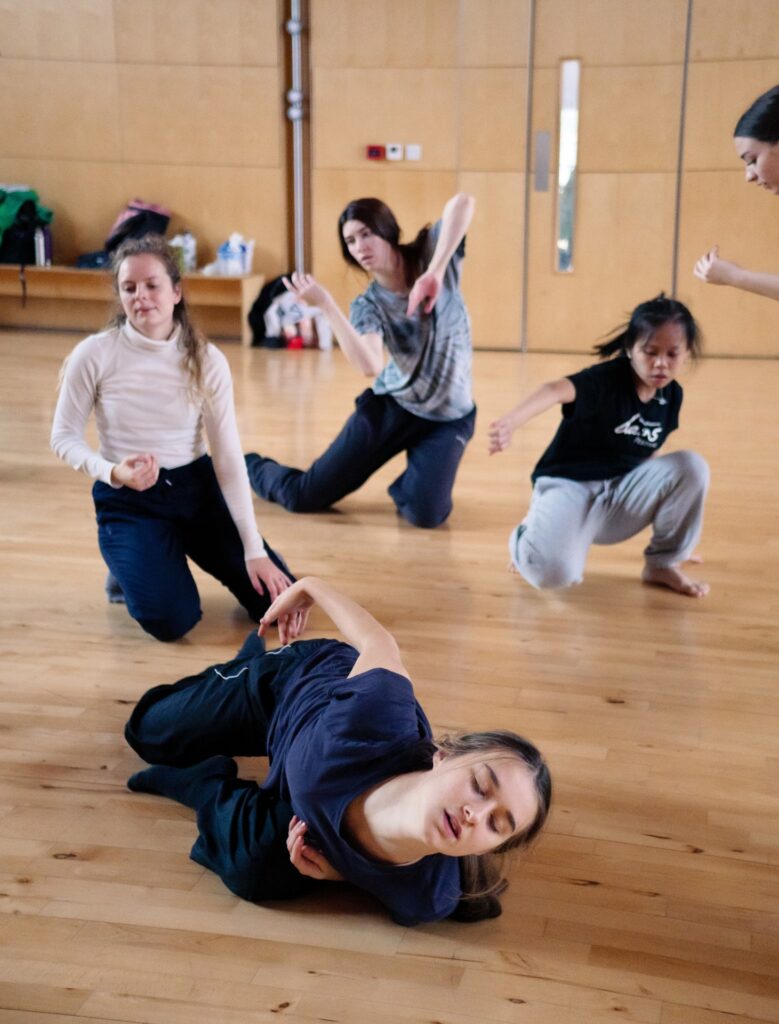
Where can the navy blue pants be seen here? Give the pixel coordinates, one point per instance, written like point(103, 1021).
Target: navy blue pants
point(190, 731)
point(146, 537)
point(376, 431)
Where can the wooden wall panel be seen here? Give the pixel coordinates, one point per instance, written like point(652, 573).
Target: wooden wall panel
point(384, 33)
point(734, 30)
point(461, 95)
point(629, 118)
point(81, 30)
point(74, 115)
point(622, 255)
point(180, 103)
point(630, 110)
point(734, 57)
point(718, 93)
point(610, 32)
point(489, 139)
point(495, 33)
point(492, 271)
point(719, 208)
point(214, 116)
point(200, 32)
point(353, 107)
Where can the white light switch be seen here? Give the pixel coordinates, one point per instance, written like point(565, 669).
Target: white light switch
point(413, 151)
point(394, 150)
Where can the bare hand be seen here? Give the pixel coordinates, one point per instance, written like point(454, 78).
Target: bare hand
point(305, 858)
point(266, 576)
point(426, 287)
point(713, 270)
point(290, 610)
point(307, 289)
point(499, 436)
point(138, 472)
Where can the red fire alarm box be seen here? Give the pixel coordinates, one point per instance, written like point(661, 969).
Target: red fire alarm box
point(376, 152)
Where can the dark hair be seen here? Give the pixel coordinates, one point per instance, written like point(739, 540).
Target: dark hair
point(378, 217)
point(481, 877)
point(191, 340)
point(761, 120)
point(645, 319)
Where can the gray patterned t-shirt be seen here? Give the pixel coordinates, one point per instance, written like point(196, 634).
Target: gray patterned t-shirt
point(429, 370)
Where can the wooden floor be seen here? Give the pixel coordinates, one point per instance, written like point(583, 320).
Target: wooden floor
point(652, 897)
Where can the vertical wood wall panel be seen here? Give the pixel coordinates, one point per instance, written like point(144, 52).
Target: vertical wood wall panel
point(180, 103)
point(632, 56)
point(78, 30)
point(462, 97)
point(734, 56)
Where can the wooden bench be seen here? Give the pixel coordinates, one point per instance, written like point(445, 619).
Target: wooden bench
point(71, 299)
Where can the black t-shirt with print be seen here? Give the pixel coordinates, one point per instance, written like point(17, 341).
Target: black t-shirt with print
point(607, 430)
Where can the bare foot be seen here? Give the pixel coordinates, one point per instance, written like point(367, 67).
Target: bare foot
point(673, 577)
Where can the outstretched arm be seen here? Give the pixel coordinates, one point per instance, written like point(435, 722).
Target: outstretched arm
point(455, 221)
point(539, 401)
point(376, 645)
point(364, 351)
point(712, 269)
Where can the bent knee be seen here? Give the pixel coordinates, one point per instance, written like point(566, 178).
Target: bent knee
point(304, 503)
point(693, 468)
point(425, 517)
point(168, 627)
point(550, 577)
point(547, 573)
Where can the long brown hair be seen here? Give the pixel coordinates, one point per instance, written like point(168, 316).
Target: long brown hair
point(481, 875)
point(191, 340)
point(379, 219)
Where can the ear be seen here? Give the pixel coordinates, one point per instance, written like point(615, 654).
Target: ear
point(439, 756)
point(177, 294)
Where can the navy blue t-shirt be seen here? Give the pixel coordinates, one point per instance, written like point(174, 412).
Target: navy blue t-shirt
point(607, 430)
point(331, 739)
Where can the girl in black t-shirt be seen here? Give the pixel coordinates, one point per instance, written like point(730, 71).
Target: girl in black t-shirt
point(596, 482)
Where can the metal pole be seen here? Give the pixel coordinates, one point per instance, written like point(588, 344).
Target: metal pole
point(295, 114)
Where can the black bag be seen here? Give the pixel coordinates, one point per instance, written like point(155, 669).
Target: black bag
point(138, 218)
point(256, 317)
point(18, 244)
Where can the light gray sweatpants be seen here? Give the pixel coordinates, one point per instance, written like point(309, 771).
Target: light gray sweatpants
point(549, 548)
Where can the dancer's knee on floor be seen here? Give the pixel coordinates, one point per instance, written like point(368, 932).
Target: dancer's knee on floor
point(168, 627)
point(549, 574)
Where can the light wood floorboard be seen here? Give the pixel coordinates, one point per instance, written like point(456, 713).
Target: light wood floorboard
point(654, 894)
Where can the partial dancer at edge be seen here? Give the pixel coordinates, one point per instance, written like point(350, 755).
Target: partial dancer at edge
point(596, 482)
point(357, 789)
point(756, 137)
point(156, 385)
point(421, 402)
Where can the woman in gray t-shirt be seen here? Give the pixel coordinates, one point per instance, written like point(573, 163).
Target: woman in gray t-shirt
point(421, 400)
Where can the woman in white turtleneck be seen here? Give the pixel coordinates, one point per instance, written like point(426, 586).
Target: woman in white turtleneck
point(160, 391)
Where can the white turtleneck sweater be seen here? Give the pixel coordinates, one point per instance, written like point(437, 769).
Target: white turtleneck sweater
point(140, 392)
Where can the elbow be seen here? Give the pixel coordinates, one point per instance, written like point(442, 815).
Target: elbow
point(373, 368)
